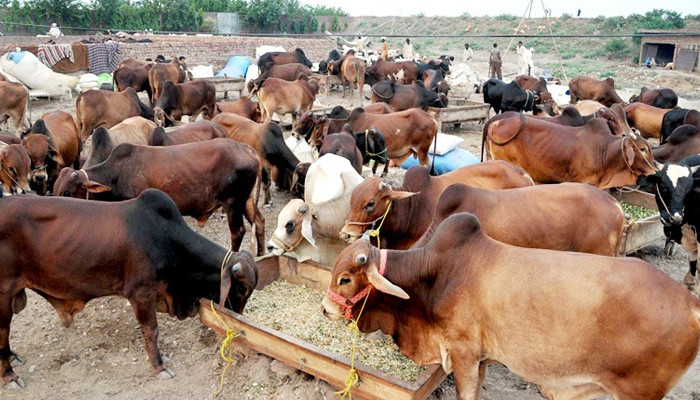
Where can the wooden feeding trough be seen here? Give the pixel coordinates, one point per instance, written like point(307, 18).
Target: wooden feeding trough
point(227, 84)
point(459, 111)
point(644, 232)
point(323, 364)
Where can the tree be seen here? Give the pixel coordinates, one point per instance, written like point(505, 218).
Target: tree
point(335, 25)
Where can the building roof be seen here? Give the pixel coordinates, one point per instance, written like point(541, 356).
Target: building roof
point(683, 32)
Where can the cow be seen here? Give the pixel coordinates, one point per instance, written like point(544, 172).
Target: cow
point(161, 72)
point(268, 141)
point(555, 318)
point(299, 180)
point(334, 120)
point(403, 222)
point(134, 130)
point(588, 107)
point(441, 65)
point(402, 97)
point(569, 117)
point(676, 192)
point(553, 153)
point(508, 97)
point(352, 74)
point(533, 216)
point(434, 80)
point(660, 98)
point(339, 112)
point(15, 166)
point(587, 88)
point(287, 72)
point(333, 55)
point(343, 145)
point(406, 132)
point(672, 120)
point(144, 251)
point(310, 227)
point(10, 139)
point(101, 108)
point(281, 57)
point(684, 141)
point(244, 106)
point(372, 146)
point(133, 77)
point(326, 82)
point(648, 119)
point(14, 103)
point(198, 131)
point(189, 98)
point(200, 177)
point(282, 97)
point(133, 63)
point(52, 144)
point(528, 82)
point(405, 72)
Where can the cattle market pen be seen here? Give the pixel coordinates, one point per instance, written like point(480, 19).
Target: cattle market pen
point(323, 364)
point(642, 233)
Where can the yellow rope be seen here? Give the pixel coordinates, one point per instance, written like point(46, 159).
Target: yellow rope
point(226, 350)
point(375, 232)
point(353, 379)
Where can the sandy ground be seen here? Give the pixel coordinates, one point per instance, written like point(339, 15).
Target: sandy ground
point(102, 355)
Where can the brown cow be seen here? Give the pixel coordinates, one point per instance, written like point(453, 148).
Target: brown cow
point(244, 107)
point(15, 166)
point(407, 220)
point(10, 139)
point(14, 103)
point(352, 74)
point(200, 177)
point(531, 216)
point(561, 320)
point(134, 77)
point(287, 72)
point(134, 63)
point(198, 131)
point(661, 98)
point(553, 153)
point(144, 251)
point(52, 144)
point(405, 72)
point(683, 142)
point(283, 57)
point(310, 121)
point(588, 107)
point(646, 118)
point(402, 97)
point(615, 116)
point(569, 117)
point(189, 98)
point(528, 82)
point(282, 97)
point(268, 141)
point(161, 72)
point(134, 130)
point(406, 132)
point(101, 108)
point(587, 88)
point(342, 144)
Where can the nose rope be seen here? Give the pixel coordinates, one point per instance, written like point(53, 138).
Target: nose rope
point(662, 200)
point(284, 246)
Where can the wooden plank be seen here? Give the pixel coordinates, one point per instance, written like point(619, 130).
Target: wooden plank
point(636, 198)
point(640, 234)
point(332, 368)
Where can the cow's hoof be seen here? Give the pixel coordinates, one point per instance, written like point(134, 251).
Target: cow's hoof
point(15, 384)
point(167, 373)
point(16, 362)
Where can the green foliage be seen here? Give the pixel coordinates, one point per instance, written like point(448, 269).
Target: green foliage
point(506, 17)
point(606, 74)
point(662, 19)
point(330, 11)
point(465, 15)
point(323, 26)
point(565, 16)
point(335, 25)
point(617, 47)
point(420, 15)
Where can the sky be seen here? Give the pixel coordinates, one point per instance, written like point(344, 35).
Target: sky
point(589, 8)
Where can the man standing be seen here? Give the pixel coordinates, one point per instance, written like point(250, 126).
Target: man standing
point(495, 63)
point(467, 54)
point(359, 45)
point(385, 49)
point(408, 52)
point(522, 67)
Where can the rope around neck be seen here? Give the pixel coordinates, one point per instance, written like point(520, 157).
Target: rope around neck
point(367, 146)
point(373, 232)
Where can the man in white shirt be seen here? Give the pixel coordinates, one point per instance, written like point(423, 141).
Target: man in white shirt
point(467, 54)
point(408, 52)
point(54, 32)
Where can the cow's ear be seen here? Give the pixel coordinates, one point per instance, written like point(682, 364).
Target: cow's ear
point(629, 152)
point(56, 156)
point(695, 170)
point(384, 285)
point(306, 230)
point(398, 195)
point(94, 187)
point(225, 286)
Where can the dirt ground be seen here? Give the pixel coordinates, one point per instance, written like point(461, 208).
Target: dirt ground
point(102, 355)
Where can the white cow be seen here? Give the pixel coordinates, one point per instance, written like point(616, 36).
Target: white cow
point(311, 228)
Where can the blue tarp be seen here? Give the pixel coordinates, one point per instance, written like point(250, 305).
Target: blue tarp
point(456, 158)
point(17, 56)
point(236, 67)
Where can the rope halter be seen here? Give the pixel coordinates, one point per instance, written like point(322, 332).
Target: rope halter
point(367, 146)
point(284, 246)
point(346, 304)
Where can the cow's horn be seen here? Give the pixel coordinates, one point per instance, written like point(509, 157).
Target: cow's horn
point(302, 209)
point(361, 259)
point(382, 185)
point(237, 269)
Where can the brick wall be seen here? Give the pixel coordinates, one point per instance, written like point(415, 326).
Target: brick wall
point(213, 50)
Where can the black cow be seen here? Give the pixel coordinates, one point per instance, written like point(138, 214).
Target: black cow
point(299, 180)
point(402, 97)
point(333, 55)
point(282, 57)
point(439, 65)
point(142, 250)
point(672, 120)
point(678, 199)
point(372, 145)
point(508, 97)
point(659, 98)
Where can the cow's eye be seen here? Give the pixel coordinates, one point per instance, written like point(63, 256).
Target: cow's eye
point(370, 205)
point(289, 227)
point(13, 170)
point(344, 281)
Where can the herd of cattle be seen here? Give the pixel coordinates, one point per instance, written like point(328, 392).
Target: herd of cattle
point(483, 264)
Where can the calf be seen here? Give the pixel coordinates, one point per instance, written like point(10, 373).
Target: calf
point(466, 300)
point(143, 251)
point(587, 88)
point(648, 119)
point(161, 72)
point(533, 216)
point(189, 98)
point(372, 145)
point(193, 132)
point(684, 141)
point(282, 97)
point(200, 177)
point(402, 97)
point(134, 130)
point(14, 103)
point(352, 74)
point(244, 107)
point(15, 166)
point(403, 222)
point(100, 108)
point(660, 98)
